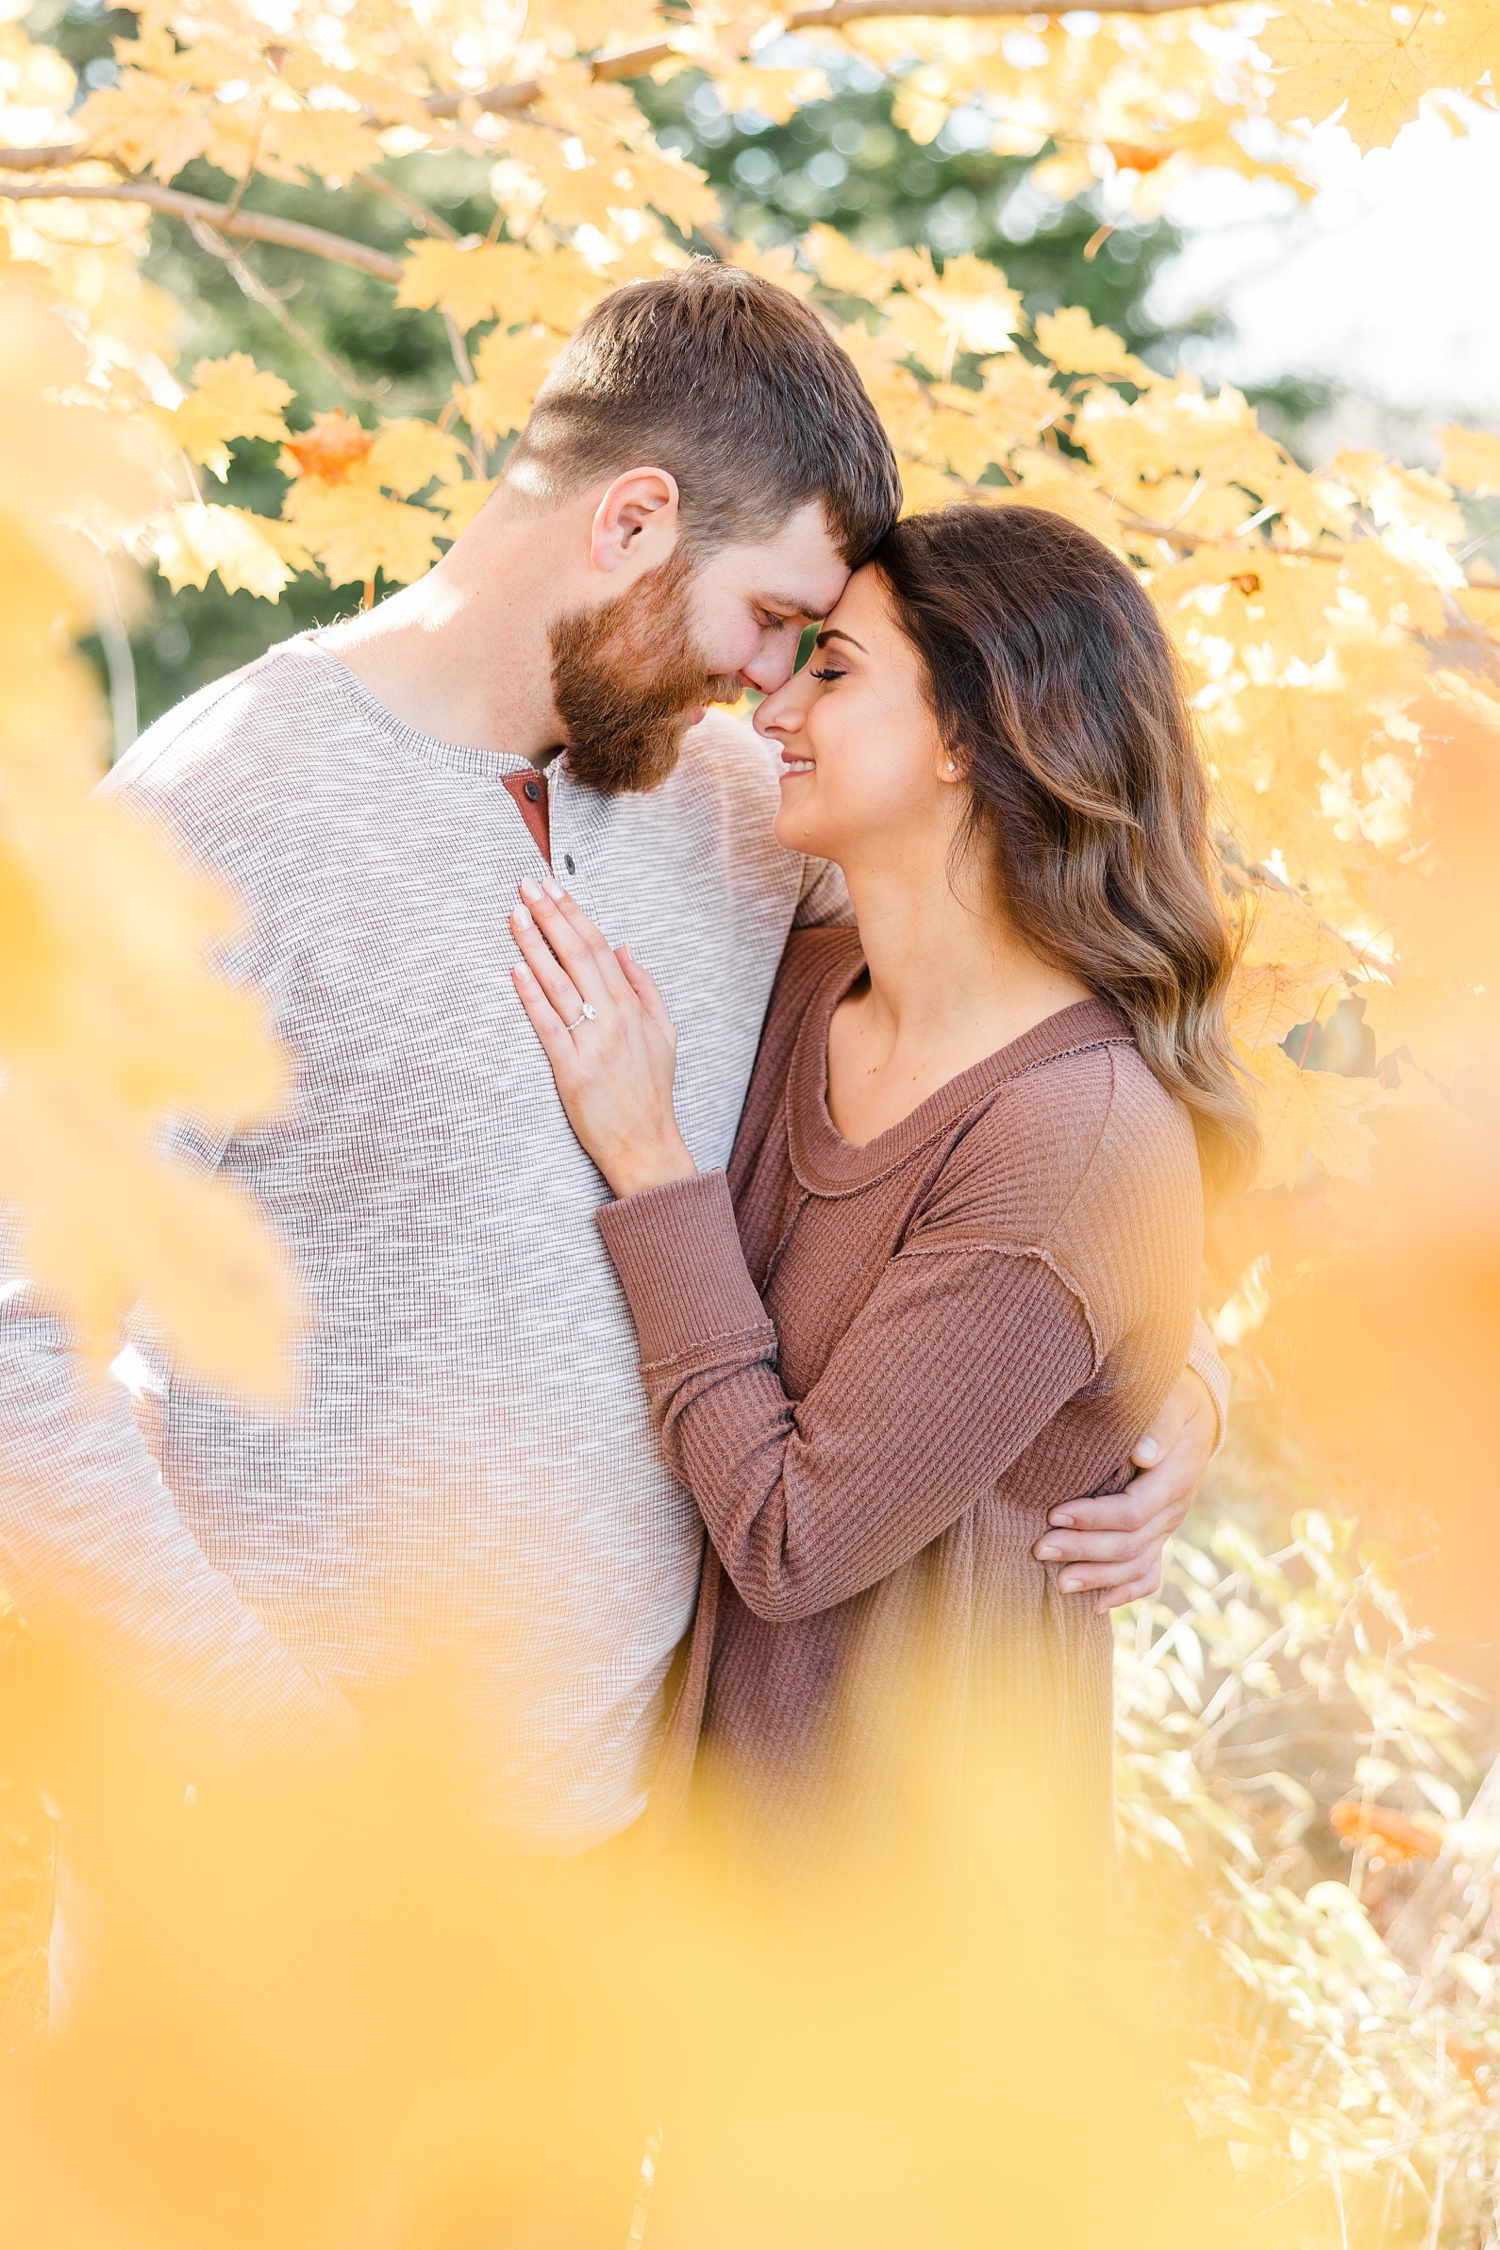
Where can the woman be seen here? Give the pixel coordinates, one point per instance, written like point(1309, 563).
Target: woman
point(953, 1268)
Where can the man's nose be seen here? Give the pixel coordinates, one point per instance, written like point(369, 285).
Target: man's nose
point(770, 668)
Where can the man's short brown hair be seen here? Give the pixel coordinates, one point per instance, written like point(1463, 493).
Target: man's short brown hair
point(736, 388)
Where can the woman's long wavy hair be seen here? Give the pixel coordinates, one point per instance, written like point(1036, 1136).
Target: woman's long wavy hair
point(1058, 694)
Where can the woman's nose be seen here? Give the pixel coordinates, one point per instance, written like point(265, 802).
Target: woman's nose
point(781, 713)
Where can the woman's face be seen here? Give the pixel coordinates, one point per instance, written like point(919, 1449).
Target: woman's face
point(864, 775)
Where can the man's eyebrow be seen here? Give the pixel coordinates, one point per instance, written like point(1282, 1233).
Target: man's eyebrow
point(790, 603)
point(832, 633)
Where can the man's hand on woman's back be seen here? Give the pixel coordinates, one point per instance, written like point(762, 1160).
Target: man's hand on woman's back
point(1114, 1545)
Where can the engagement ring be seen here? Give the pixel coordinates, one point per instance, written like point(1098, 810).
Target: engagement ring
point(587, 1017)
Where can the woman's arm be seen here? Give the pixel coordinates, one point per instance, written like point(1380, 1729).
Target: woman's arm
point(961, 1356)
point(612, 1047)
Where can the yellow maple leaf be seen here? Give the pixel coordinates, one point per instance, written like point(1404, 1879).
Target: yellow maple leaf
point(963, 441)
point(502, 280)
point(1471, 460)
point(105, 1222)
point(1392, 587)
point(1276, 605)
point(1017, 401)
point(923, 486)
point(326, 144)
point(1311, 1113)
point(778, 264)
point(1462, 42)
point(1410, 499)
point(1175, 430)
point(109, 1018)
point(661, 179)
point(1071, 341)
point(1342, 56)
point(149, 126)
point(355, 531)
point(1047, 483)
point(230, 398)
point(407, 455)
point(508, 371)
point(974, 306)
point(900, 400)
point(459, 504)
point(246, 550)
point(839, 266)
point(1291, 963)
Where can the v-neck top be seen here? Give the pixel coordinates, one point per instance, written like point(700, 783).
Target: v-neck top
point(876, 1368)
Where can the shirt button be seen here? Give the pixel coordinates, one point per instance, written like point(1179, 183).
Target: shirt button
point(568, 863)
point(530, 789)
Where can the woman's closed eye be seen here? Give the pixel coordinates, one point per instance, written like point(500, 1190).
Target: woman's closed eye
point(825, 672)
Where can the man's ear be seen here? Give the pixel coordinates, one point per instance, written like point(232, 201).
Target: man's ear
point(636, 520)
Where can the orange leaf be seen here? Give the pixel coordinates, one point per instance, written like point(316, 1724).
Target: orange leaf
point(1388, 1834)
point(331, 448)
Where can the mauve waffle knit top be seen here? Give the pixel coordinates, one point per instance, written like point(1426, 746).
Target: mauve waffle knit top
point(876, 1369)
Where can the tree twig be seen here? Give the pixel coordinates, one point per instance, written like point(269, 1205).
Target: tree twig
point(429, 221)
point(251, 285)
point(45, 158)
point(258, 226)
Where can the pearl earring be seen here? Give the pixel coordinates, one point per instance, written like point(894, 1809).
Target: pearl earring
point(952, 768)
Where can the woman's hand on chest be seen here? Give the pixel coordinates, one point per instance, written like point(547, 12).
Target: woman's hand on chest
point(605, 1031)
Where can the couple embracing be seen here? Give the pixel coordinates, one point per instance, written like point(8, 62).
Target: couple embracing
point(746, 1180)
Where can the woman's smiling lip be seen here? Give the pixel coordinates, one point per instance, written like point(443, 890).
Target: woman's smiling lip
point(791, 765)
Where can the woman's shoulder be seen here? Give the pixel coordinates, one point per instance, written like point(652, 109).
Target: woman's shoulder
point(1080, 1146)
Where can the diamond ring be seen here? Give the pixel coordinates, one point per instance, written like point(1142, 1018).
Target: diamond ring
point(588, 1016)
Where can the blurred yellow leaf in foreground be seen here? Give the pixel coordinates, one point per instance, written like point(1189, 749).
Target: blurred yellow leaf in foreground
point(110, 1022)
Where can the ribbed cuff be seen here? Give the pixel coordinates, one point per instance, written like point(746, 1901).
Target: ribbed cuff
point(1204, 1360)
point(677, 1253)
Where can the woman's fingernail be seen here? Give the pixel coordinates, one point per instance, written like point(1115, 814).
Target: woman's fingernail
point(1060, 1520)
point(520, 915)
point(519, 971)
point(1049, 1550)
point(530, 889)
point(553, 890)
point(1068, 1585)
point(1147, 1450)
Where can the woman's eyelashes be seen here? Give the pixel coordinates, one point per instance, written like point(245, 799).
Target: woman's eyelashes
point(826, 672)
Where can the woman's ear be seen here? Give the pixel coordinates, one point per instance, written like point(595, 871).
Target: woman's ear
point(636, 520)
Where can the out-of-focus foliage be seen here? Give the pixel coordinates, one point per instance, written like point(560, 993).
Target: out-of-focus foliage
point(109, 1018)
point(484, 179)
point(1293, 1773)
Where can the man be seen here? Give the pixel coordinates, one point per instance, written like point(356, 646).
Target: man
point(470, 1471)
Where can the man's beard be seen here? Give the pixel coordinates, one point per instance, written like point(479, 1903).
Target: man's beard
point(624, 678)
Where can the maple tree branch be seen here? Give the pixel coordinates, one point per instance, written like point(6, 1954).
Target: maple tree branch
point(44, 158)
point(256, 226)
